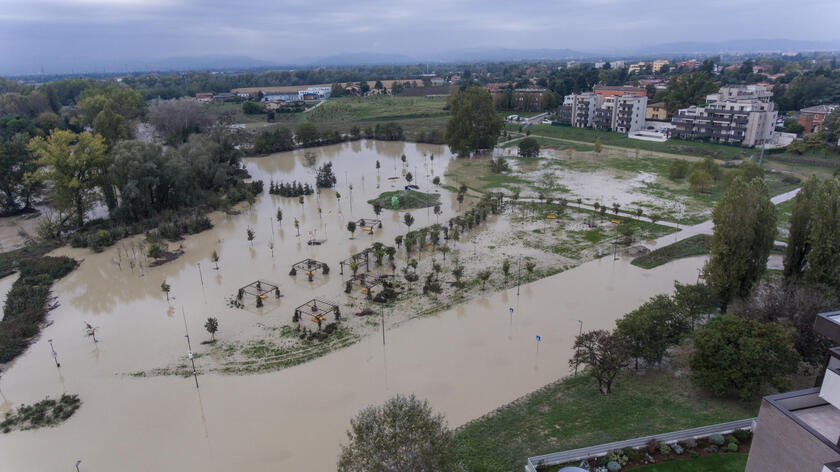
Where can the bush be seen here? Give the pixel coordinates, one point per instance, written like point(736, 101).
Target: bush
point(711, 449)
point(732, 447)
point(678, 169)
point(693, 454)
point(664, 449)
point(677, 449)
point(631, 454)
point(742, 435)
point(717, 439)
point(730, 438)
point(689, 443)
point(613, 466)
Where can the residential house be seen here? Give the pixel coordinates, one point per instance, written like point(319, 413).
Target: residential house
point(204, 97)
point(812, 117)
point(437, 81)
point(737, 114)
point(223, 97)
point(656, 111)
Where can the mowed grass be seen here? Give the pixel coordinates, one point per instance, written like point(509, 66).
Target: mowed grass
point(710, 463)
point(571, 413)
point(377, 108)
point(696, 245)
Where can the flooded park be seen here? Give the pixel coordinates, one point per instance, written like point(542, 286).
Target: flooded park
point(467, 355)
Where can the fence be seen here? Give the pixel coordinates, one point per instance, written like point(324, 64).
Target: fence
point(573, 455)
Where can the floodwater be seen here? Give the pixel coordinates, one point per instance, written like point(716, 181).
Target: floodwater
point(467, 360)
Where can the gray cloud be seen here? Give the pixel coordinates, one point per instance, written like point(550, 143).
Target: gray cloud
point(48, 33)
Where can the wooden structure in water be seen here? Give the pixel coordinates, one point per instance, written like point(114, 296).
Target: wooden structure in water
point(368, 224)
point(362, 258)
point(317, 310)
point(309, 267)
point(260, 290)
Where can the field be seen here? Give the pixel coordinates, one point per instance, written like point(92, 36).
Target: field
point(571, 413)
point(693, 246)
point(414, 114)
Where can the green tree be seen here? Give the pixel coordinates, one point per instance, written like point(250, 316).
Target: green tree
point(604, 353)
point(738, 357)
point(688, 89)
point(700, 180)
point(801, 223)
point(745, 227)
point(403, 435)
point(678, 169)
point(694, 300)
point(652, 328)
point(483, 276)
point(823, 256)
point(473, 121)
point(408, 220)
point(529, 147)
point(307, 134)
point(111, 126)
point(17, 162)
point(598, 146)
point(212, 325)
point(73, 164)
point(351, 226)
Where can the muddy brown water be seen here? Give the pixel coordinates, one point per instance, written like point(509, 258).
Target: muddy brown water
point(467, 360)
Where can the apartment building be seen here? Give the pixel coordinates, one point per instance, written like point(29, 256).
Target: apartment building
point(659, 64)
point(800, 431)
point(738, 114)
point(610, 90)
point(616, 112)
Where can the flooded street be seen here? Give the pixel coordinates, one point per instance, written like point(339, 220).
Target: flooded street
point(466, 361)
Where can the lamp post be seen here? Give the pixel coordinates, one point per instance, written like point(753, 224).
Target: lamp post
point(580, 332)
point(78, 461)
point(54, 354)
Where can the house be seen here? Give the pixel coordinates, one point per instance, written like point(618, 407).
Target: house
point(437, 82)
point(245, 95)
point(314, 93)
point(656, 111)
point(637, 67)
point(812, 117)
point(281, 97)
point(800, 430)
point(690, 64)
point(223, 97)
point(659, 64)
point(204, 97)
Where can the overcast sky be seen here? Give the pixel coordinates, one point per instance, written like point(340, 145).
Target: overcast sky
point(63, 33)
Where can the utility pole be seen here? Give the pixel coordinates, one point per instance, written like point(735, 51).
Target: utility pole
point(189, 346)
point(580, 332)
point(382, 312)
point(201, 277)
point(518, 274)
point(54, 354)
point(78, 461)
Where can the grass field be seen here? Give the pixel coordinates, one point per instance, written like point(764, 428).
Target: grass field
point(696, 245)
point(408, 199)
point(710, 463)
point(571, 414)
point(414, 114)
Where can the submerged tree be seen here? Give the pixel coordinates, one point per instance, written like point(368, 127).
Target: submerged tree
point(351, 226)
point(212, 325)
point(165, 288)
point(215, 258)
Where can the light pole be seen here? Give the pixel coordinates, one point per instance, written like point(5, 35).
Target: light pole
point(518, 274)
point(54, 354)
point(382, 313)
point(189, 346)
point(78, 461)
point(580, 332)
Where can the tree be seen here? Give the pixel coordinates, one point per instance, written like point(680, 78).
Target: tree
point(409, 177)
point(324, 177)
point(111, 126)
point(250, 234)
point(801, 223)
point(506, 268)
point(823, 255)
point(252, 108)
point(605, 353)
point(652, 328)
point(307, 134)
point(16, 163)
point(178, 118)
point(678, 169)
point(745, 227)
point(598, 146)
point(688, 89)
point(693, 300)
point(473, 121)
point(530, 266)
point(408, 220)
point(165, 288)
point(403, 435)
point(738, 357)
point(529, 147)
point(73, 165)
point(276, 140)
point(700, 180)
point(212, 325)
point(436, 180)
point(279, 215)
point(483, 276)
point(215, 258)
point(351, 226)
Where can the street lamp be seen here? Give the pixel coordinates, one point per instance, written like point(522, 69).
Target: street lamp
point(580, 332)
point(79, 461)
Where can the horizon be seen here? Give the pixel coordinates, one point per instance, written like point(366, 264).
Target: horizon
point(90, 36)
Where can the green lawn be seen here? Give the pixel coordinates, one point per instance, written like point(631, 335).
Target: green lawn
point(571, 413)
point(710, 463)
point(696, 245)
point(407, 199)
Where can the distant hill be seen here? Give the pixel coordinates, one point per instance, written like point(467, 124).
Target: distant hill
point(736, 46)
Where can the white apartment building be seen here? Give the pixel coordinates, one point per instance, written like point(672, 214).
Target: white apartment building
point(619, 113)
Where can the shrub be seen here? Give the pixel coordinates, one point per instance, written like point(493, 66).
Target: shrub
point(613, 466)
point(664, 449)
point(689, 443)
point(693, 454)
point(730, 438)
point(742, 435)
point(632, 454)
point(678, 169)
point(617, 455)
point(711, 449)
point(732, 447)
point(717, 439)
point(677, 449)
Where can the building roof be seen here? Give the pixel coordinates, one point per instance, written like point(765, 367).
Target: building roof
point(618, 88)
point(657, 104)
